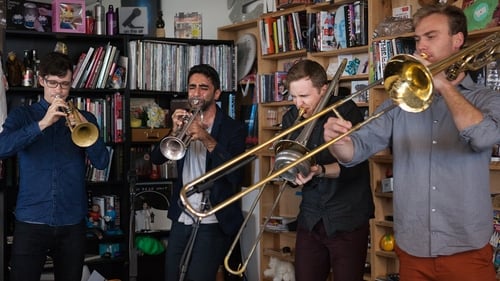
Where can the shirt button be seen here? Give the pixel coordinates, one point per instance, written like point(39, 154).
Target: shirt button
point(433, 210)
point(435, 121)
point(434, 142)
point(433, 188)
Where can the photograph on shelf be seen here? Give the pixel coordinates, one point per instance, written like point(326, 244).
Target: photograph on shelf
point(358, 85)
point(149, 10)
point(68, 16)
point(133, 20)
point(188, 25)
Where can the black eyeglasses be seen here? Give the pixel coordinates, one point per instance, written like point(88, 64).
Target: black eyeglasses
point(54, 84)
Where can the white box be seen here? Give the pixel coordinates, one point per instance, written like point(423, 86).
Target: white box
point(387, 185)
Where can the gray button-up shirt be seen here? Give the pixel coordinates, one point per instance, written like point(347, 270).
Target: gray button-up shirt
point(441, 198)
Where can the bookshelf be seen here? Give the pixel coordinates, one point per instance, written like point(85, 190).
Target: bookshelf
point(114, 103)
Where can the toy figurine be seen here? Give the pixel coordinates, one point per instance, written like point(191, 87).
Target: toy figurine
point(15, 69)
point(95, 215)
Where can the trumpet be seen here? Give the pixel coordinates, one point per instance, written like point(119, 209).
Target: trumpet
point(174, 146)
point(83, 134)
point(408, 83)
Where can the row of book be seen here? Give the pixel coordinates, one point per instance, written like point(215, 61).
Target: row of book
point(283, 33)
point(154, 65)
point(108, 112)
point(344, 27)
point(271, 87)
point(100, 67)
point(385, 49)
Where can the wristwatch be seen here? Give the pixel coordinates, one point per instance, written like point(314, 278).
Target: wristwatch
point(323, 170)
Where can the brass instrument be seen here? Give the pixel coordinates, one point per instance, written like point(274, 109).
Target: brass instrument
point(83, 134)
point(174, 146)
point(288, 151)
point(409, 85)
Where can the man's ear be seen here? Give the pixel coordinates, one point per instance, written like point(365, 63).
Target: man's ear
point(458, 41)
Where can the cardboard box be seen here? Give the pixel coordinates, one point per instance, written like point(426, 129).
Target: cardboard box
point(68, 16)
point(149, 135)
point(29, 15)
point(133, 20)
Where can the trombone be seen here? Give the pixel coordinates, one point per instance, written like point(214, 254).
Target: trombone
point(286, 151)
point(409, 85)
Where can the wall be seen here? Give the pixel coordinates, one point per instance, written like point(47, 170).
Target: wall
point(214, 13)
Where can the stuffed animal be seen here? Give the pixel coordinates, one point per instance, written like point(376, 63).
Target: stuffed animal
point(280, 270)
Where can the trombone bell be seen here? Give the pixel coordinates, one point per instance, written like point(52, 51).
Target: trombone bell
point(409, 83)
point(288, 151)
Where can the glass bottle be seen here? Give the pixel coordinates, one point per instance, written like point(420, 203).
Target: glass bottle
point(28, 70)
point(160, 25)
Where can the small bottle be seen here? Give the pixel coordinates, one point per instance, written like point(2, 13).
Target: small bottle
point(110, 21)
point(160, 25)
point(99, 25)
point(28, 70)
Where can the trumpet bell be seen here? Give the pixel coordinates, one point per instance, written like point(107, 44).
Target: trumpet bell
point(173, 148)
point(409, 83)
point(84, 134)
point(287, 152)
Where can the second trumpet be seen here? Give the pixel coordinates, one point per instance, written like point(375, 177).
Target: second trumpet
point(174, 146)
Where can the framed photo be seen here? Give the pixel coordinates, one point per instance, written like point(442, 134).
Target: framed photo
point(68, 16)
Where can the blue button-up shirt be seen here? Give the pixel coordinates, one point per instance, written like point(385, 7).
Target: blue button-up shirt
point(51, 167)
point(442, 199)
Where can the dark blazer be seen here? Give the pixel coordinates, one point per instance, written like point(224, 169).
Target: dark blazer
point(230, 136)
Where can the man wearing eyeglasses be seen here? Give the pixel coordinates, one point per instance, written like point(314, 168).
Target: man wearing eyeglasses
point(52, 201)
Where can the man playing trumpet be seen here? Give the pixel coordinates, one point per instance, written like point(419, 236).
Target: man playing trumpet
point(52, 200)
point(214, 140)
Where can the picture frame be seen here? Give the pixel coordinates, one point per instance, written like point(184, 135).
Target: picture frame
point(68, 16)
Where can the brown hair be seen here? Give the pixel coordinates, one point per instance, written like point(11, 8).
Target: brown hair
point(457, 21)
point(307, 68)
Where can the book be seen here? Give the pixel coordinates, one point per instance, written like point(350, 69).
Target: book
point(268, 23)
point(104, 65)
point(361, 22)
point(88, 70)
point(78, 65)
point(118, 78)
point(94, 71)
point(110, 68)
point(118, 114)
point(311, 32)
point(404, 12)
point(325, 31)
point(279, 85)
point(84, 65)
point(359, 85)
